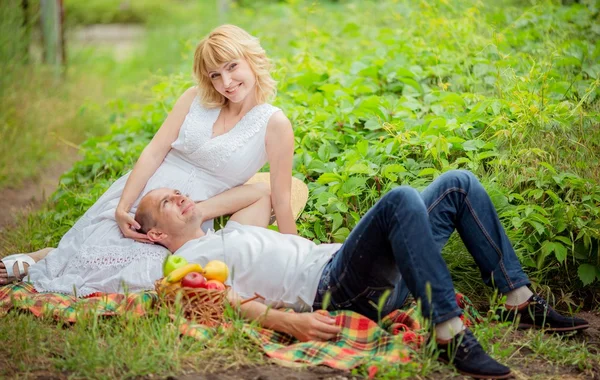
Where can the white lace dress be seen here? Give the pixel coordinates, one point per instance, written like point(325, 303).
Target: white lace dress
point(95, 257)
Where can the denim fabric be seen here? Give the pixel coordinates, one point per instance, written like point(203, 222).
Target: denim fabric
point(397, 245)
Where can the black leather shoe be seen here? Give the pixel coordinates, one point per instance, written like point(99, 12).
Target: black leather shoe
point(468, 357)
point(539, 315)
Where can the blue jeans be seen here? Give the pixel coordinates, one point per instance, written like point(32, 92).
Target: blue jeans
point(398, 245)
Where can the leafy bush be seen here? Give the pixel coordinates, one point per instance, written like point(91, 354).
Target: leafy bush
point(507, 91)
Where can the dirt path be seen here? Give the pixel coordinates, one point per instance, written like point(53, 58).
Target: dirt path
point(122, 40)
point(32, 193)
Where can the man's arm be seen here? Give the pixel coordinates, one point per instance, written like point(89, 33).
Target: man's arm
point(302, 326)
point(233, 200)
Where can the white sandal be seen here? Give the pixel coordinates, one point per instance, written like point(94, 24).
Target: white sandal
point(19, 259)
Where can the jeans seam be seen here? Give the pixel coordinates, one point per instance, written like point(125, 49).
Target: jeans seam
point(489, 239)
point(487, 236)
point(448, 191)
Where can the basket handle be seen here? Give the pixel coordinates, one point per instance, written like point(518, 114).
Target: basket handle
point(256, 296)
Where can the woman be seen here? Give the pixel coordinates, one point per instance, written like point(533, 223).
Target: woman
point(216, 137)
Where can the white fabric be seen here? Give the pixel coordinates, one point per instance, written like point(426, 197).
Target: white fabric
point(518, 296)
point(284, 269)
point(93, 256)
point(20, 259)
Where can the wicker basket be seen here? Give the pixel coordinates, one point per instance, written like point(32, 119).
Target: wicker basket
point(200, 305)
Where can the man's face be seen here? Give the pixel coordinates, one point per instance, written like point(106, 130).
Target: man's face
point(172, 211)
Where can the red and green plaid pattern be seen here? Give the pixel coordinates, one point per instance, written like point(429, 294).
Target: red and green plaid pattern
point(65, 307)
point(360, 341)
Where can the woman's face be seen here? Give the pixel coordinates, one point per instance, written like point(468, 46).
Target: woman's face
point(235, 80)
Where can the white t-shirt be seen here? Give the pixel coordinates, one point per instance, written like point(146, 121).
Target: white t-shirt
point(284, 269)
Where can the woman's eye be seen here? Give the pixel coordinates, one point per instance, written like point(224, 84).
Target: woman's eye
point(233, 66)
point(214, 76)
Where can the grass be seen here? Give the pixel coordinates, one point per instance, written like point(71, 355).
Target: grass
point(506, 89)
point(43, 117)
point(131, 346)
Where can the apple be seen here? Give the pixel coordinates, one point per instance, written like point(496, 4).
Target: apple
point(193, 280)
point(216, 270)
point(173, 262)
point(214, 284)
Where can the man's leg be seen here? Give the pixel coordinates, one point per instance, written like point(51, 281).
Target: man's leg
point(392, 245)
point(457, 200)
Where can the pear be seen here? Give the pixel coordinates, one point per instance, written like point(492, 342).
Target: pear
point(216, 270)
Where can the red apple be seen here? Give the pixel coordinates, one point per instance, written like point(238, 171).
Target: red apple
point(193, 280)
point(214, 284)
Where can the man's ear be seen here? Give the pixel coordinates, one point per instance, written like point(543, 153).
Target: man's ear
point(156, 236)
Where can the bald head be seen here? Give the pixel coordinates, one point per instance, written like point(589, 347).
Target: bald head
point(169, 218)
point(144, 215)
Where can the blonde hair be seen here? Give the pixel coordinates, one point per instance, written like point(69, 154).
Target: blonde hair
point(226, 43)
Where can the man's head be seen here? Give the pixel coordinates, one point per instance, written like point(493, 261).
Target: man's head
point(168, 217)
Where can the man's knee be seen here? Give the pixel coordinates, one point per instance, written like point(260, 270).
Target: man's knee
point(463, 179)
point(403, 196)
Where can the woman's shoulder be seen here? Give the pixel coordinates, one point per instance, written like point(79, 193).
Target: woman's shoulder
point(277, 118)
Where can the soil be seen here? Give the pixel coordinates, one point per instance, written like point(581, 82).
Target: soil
point(120, 39)
point(32, 193)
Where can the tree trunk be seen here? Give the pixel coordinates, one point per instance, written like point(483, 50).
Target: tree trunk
point(51, 14)
point(223, 9)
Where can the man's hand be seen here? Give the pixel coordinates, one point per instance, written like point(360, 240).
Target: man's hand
point(319, 326)
point(312, 326)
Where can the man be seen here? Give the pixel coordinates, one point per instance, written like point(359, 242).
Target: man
point(396, 245)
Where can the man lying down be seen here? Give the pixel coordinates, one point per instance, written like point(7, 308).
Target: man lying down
point(397, 245)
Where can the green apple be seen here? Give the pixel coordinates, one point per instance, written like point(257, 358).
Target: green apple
point(173, 262)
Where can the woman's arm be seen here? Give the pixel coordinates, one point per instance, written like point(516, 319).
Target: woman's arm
point(279, 142)
point(249, 204)
point(152, 156)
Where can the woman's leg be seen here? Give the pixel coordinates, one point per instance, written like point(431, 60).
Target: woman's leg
point(36, 256)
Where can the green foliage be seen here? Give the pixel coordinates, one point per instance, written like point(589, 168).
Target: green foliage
point(380, 93)
point(119, 11)
point(508, 91)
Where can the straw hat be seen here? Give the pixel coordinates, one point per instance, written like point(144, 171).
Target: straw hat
point(299, 193)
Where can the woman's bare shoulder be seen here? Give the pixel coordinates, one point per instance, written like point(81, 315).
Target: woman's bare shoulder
point(279, 121)
point(189, 95)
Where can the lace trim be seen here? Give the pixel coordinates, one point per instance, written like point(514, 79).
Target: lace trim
point(197, 126)
point(98, 257)
point(82, 292)
point(214, 152)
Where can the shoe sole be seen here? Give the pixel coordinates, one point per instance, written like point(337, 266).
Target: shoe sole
point(506, 376)
point(525, 326)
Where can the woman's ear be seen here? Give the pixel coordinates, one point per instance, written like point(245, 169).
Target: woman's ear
point(156, 236)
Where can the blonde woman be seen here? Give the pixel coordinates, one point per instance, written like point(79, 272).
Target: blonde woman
point(216, 137)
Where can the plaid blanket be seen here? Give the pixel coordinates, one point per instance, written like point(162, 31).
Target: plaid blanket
point(360, 341)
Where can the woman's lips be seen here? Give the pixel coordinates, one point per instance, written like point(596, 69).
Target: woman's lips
point(234, 89)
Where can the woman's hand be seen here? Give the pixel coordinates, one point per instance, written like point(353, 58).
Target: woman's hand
point(128, 226)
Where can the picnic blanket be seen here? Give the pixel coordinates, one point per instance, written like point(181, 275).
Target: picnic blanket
point(360, 341)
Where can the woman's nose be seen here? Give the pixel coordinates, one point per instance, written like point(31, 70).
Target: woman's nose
point(226, 79)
